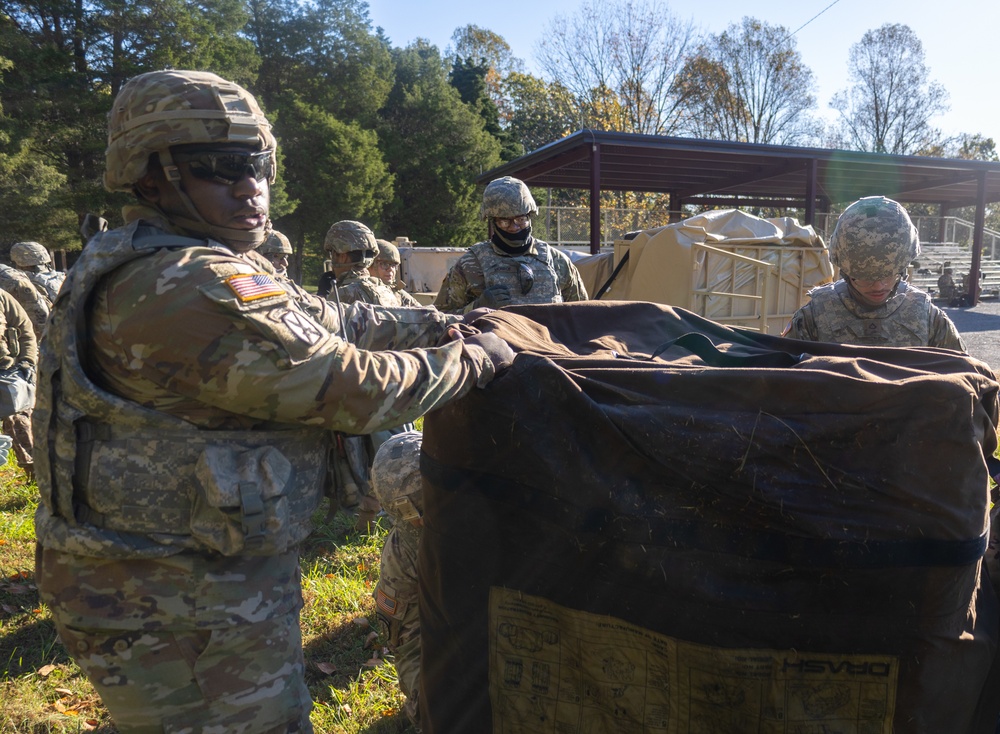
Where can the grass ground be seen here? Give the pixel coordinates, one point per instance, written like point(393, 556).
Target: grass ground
point(350, 673)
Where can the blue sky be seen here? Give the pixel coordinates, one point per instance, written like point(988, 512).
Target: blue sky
point(961, 38)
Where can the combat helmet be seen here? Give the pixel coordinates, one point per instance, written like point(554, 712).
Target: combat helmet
point(160, 110)
point(276, 244)
point(29, 254)
point(396, 478)
point(874, 239)
point(387, 251)
point(354, 239)
point(507, 197)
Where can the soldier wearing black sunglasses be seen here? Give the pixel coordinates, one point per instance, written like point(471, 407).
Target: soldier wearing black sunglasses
point(186, 403)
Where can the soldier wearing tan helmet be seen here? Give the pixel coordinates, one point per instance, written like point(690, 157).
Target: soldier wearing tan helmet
point(182, 446)
point(277, 249)
point(872, 304)
point(34, 286)
point(511, 266)
point(35, 261)
point(386, 268)
point(352, 249)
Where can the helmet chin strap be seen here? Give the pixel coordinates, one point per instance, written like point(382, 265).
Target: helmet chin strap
point(240, 240)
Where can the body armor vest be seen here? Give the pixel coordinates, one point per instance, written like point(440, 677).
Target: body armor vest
point(531, 277)
point(902, 321)
point(48, 282)
point(120, 480)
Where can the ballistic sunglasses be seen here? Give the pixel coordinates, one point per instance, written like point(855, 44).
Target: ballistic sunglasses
point(228, 167)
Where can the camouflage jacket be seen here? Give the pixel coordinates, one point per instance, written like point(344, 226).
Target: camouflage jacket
point(193, 350)
point(17, 337)
point(34, 303)
point(908, 319)
point(406, 298)
point(47, 282)
point(555, 278)
point(359, 286)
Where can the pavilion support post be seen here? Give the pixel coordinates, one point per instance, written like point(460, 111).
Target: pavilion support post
point(676, 207)
point(673, 208)
point(977, 237)
point(810, 213)
point(942, 226)
point(595, 198)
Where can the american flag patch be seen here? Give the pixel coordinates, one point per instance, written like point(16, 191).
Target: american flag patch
point(386, 603)
point(252, 286)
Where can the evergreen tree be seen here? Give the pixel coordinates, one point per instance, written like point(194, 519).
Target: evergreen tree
point(469, 78)
point(436, 146)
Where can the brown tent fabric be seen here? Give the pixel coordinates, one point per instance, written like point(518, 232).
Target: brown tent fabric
point(652, 522)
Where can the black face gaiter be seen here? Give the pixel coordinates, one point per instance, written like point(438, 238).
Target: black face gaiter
point(512, 244)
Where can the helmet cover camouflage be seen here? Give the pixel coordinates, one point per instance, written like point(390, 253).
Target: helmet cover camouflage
point(874, 239)
point(27, 254)
point(396, 478)
point(276, 244)
point(387, 251)
point(161, 109)
point(507, 197)
point(348, 237)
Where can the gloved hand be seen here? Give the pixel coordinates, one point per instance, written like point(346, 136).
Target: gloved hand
point(496, 296)
point(27, 371)
point(499, 351)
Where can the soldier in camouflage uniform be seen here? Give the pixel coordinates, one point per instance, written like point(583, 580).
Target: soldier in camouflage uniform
point(36, 305)
point(353, 248)
point(184, 442)
point(18, 351)
point(398, 485)
point(276, 249)
point(35, 261)
point(512, 266)
point(872, 244)
point(386, 269)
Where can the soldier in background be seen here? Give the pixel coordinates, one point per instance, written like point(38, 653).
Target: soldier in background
point(18, 353)
point(872, 244)
point(34, 302)
point(348, 249)
point(511, 266)
point(277, 249)
point(171, 569)
point(397, 483)
point(353, 249)
point(36, 306)
point(34, 260)
point(947, 289)
point(386, 268)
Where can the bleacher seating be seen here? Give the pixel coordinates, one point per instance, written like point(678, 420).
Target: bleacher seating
point(934, 256)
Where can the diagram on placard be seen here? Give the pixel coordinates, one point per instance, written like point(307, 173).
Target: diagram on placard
point(555, 670)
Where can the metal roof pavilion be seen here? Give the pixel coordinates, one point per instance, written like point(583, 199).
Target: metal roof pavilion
point(721, 173)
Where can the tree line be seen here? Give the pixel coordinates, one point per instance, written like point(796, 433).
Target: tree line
point(395, 137)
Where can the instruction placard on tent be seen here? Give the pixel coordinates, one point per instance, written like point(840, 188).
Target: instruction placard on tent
point(559, 670)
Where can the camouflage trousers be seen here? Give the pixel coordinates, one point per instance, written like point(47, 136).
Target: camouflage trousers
point(398, 613)
point(18, 427)
point(161, 673)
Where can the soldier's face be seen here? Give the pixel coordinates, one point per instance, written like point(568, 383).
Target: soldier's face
point(279, 260)
point(222, 184)
point(385, 271)
point(874, 292)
